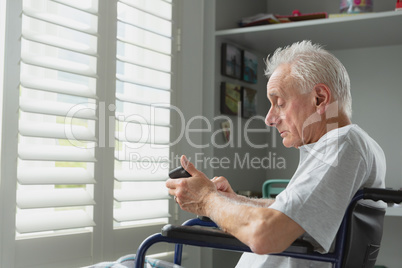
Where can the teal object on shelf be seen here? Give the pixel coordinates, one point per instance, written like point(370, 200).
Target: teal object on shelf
point(272, 188)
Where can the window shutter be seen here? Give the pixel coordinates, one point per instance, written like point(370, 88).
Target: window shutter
point(57, 116)
point(143, 89)
point(69, 98)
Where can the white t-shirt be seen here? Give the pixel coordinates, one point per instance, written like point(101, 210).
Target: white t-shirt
point(330, 172)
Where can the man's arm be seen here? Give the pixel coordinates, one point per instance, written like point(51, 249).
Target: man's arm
point(263, 229)
point(255, 202)
point(223, 186)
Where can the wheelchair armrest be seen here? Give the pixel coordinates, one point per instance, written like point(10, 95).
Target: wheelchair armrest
point(218, 237)
point(300, 246)
point(202, 234)
point(386, 195)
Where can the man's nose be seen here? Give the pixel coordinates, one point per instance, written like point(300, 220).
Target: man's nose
point(271, 119)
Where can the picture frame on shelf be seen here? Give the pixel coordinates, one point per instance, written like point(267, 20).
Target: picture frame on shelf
point(250, 67)
point(226, 130)
point(230, 98)
point(231, 61)
point(249, 102)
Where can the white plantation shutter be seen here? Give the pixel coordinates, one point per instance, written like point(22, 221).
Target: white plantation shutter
point(57, 116)
point(85, 130)
point(143, 89)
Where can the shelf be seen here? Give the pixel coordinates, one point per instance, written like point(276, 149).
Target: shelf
point(366, 30)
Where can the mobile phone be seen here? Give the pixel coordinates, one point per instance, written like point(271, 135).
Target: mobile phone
point(178, 172)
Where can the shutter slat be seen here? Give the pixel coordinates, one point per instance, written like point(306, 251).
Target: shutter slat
point(144, 76)
point(56, 131)
point(136, 100)
point(128, 41)
point(151, 12)
point(132, 99)
point(57, 108)
point(55, 175)
point(133, 132)
point(58, 20)
point(129, 215)
point(128, 79)
point(138, 175)
point(148, 125)
point(142, 151)
point(55, 153)
point(155, 114)
point(157, 125)
point(80, 5)
point(127, 195)
point(128, 119)
point(57, 86)
point(132, 138)
point(58, 64)
point(139, 64)
point(144, 38)
point(145, 29)
point(28, 199)
point(58, 220)
point(56, 41)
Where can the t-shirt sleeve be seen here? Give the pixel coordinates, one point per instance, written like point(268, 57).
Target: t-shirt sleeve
point(320, 191)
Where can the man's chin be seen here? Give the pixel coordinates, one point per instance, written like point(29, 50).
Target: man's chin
point(289, 144)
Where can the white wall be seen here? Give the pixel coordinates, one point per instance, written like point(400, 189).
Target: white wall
point(2, 38)
point(229, 12)
point(376, 86)
point(187, 94)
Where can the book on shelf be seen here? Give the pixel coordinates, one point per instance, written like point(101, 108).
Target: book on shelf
point(264, 19)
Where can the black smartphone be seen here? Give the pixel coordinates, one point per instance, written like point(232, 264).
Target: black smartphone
point(178, 172)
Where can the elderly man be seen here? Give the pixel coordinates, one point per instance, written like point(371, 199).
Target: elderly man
point(309, 91)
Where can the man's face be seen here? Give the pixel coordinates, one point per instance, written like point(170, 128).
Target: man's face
point(290, 110)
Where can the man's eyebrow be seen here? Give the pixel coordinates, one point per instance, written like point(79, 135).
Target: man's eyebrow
point(274, 93)
point(277, 93)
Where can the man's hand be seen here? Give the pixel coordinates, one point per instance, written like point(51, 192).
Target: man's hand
point(192, 194)
point(223, 186)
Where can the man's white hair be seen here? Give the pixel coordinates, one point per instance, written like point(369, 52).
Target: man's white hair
point(311, 65)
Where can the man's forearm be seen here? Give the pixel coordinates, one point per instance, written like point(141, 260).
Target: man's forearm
point(263, 229)
point(256, 202)
point(233, 213)
point(237, 215)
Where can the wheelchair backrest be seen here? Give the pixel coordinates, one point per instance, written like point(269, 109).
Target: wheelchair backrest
point(363, 237)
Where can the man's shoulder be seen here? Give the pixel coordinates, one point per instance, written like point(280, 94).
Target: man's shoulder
point(359, 141)
point(357, 137)
point(350, 139)
point(351, 133)
point(351, 130)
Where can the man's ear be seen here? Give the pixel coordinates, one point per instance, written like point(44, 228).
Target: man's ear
point(322, 95)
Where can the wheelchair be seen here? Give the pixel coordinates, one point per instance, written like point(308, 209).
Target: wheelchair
point(357, 242)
